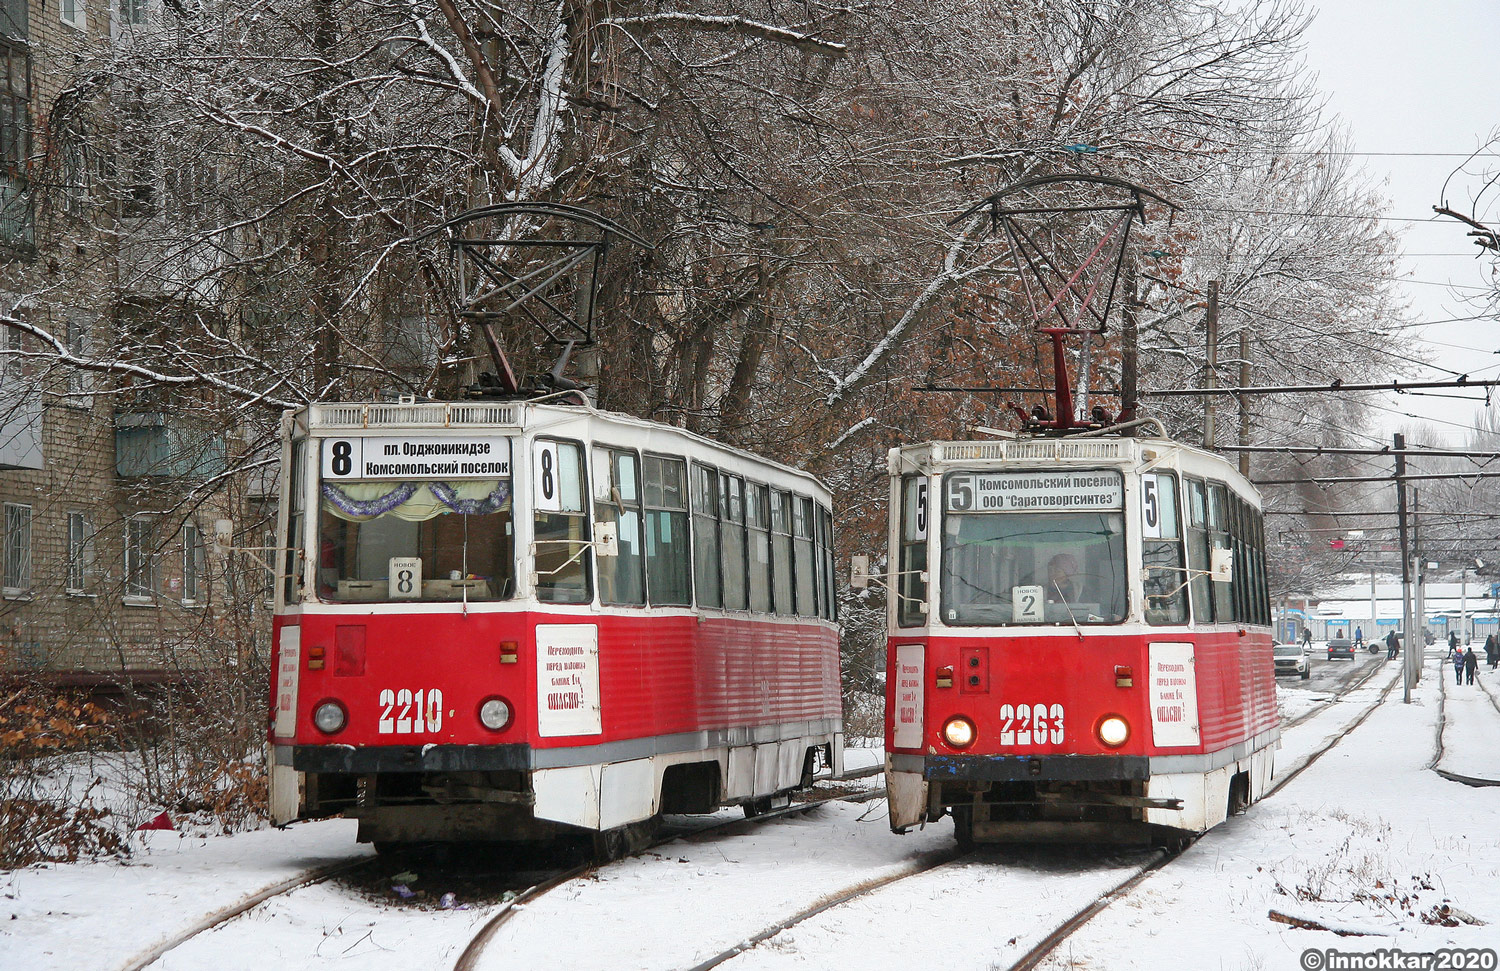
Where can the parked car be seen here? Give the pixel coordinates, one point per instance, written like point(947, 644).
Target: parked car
point(1291, 659)
point(1340, 647)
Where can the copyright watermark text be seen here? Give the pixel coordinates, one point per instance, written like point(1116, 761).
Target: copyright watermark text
point(1447, 959)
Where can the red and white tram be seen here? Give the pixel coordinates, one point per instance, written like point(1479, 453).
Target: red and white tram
point(512, 620)
point(1080, 644)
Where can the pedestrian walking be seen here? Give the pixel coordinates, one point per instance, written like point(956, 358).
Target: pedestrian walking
point(1392, 646)
point(1452, 641)
point(1492, 650)
point(1471, 664)
point(1458, 667)
point(1359, 637)
point(1306, 637)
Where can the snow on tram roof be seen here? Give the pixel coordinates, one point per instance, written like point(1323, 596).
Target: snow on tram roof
point(457, 415)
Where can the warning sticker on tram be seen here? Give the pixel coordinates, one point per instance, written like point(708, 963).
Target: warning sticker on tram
point(1042, 491)
point(567, 680)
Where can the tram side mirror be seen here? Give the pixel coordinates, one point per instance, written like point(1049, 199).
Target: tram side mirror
point(859, 572)
point(606, 540)
point(1221, 566)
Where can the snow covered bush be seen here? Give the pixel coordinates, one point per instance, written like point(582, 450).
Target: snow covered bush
point(47, 813)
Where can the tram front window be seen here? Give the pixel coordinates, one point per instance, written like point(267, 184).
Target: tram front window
point(417, 540)
point(1004, 568)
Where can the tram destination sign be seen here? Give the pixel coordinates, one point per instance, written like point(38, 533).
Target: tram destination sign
point(417, 457)
point(1039, 491)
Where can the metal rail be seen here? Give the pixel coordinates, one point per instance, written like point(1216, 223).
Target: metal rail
point(154, 953)
point(922, 864)
point(467, 961)
point(1032, 958)
point(1442, 721)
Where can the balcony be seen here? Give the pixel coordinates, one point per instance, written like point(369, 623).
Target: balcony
point(154, 443)
point(20, 429)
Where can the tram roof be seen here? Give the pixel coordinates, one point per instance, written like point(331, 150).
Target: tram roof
point(384, 417)
point(1032, 451)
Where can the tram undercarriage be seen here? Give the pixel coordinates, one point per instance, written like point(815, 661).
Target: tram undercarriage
point(1159, 809)
point(620, 800)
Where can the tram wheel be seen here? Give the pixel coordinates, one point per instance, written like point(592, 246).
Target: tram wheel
point(963, 826)
point(610, 845)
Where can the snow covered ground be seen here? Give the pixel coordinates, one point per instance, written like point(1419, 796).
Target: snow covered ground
point(1367, 839)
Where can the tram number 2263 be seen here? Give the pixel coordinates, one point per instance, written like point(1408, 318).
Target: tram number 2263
point(407, 712)
point(1031, 724)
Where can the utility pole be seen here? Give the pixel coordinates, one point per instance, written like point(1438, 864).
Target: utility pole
point(1400, 441)
point(1419, 571)
point(1244, 403)
point(1129, 348)
point(1211, 379)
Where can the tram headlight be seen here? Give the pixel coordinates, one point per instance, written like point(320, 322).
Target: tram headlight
point(959, 732)
point(494, 713)
point(330, 717)
point(1113, 731)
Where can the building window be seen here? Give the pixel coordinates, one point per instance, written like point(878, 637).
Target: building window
point(80, 344)
point(15, 128)
point(80, 552)
point(192, 564)
point(71, 12)
point(133, 12)
point(137, 165)
point(17, 549)
point(140, 561)
point(13, 19)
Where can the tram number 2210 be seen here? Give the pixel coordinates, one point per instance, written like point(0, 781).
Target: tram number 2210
point(407, 712)
point(1031, 724)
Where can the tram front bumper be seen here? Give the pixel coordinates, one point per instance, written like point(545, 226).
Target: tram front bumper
point(405, 758)
point(1034, 768)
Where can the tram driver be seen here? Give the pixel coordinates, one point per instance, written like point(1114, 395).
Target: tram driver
point(1062, 583)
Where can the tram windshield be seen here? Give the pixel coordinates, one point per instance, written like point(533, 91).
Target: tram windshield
point(1005, 564)
point(420, 540)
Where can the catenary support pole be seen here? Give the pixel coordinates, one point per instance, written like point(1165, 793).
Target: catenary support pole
point(1406, 621)
point(1211, 361)
point(1244, 399)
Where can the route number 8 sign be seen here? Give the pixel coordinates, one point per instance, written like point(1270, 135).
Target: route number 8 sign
point(405, 577)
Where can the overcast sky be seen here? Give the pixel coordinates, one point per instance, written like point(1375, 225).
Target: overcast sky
point(1415, 76)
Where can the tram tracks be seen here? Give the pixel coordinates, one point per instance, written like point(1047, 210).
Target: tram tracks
point(1442, 721)
point(1049, 944)
point(468, 960)
point(521, 896)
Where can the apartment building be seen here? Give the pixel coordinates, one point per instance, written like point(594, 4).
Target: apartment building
point(111, 501)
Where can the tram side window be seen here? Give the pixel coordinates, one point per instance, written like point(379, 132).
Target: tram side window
point(296, 513)
point(706, 535)
point(781, 553)
point(668, 557)
point(561, 524)
point(1218, 524)
point(758, 555)
point(1198, 555)
point(1240, 578)
point(825, 537)
point(820, 580)
point(1262, 613)
point(802, 556)
point(732, 540)
point(911, 599)
point(1161, 550)
point(617, 500)
point(1244, 562)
